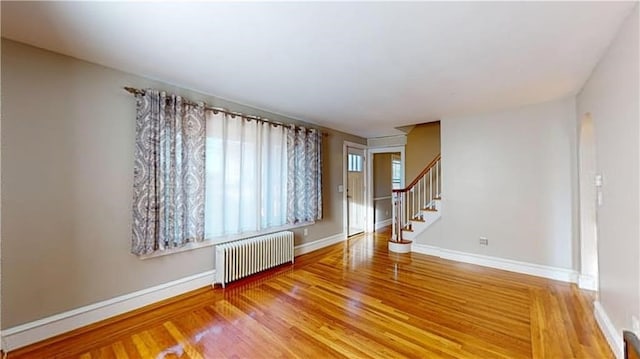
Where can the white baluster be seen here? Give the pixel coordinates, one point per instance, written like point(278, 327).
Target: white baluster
point(394, 213)
point(438, 179)
point(406, 209)
point(424, 184)
point(418, 196)
point(430, 187)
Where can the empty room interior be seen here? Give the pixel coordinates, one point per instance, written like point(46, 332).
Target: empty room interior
point(320, 180)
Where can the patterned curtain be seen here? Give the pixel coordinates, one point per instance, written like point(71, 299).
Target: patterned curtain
point(304, 175)
point(169, 174)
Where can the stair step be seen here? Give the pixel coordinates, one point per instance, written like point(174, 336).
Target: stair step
point(437, 198)
point(407, 230)
point(405, 241)
point(417, 220)
point(430, 209)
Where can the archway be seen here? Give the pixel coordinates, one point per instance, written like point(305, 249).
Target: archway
point(589, 188)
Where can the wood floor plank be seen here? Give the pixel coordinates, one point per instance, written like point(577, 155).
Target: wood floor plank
point(120, 351)
point(183, 342)
point(355, 300)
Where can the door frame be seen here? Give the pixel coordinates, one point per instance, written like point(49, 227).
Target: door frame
point(345, 204)
point(370, 225)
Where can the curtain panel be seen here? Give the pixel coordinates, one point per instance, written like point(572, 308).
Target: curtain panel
point(304, 175)
point(246, 175)
point(169, 173)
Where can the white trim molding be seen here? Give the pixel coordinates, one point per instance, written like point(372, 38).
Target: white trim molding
point(555, 273)
point(616, 343)
point(587, 282)
point(387, 141)
point(319, 244)
point(32, 332)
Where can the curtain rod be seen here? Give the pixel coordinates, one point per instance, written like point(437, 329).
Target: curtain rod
point(135, 91)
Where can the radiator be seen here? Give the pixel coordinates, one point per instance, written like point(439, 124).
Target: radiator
point(235, 260)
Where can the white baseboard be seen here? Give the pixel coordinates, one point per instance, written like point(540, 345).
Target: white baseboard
point(609, 330)
point(426, 249)
point(320, 243)
point(587, 282)
point(32, 332)
point(555, 273)
point(382, 224)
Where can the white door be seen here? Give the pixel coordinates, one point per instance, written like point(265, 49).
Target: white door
point(355, 191)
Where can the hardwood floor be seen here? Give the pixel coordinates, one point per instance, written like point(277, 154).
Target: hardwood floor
point(353, 300)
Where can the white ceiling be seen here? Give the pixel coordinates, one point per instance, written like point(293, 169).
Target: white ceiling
point(363, 68)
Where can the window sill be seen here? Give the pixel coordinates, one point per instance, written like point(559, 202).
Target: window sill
point(220, 240)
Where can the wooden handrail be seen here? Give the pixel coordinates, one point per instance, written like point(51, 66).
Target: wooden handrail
point(631, 345)
point(424, 171)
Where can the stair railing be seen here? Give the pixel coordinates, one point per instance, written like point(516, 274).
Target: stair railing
point(419, 195)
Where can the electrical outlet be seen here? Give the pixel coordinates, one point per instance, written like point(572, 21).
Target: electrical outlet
point(386, 213)
point(635, 324)
point(484, 241)
point(305, 231)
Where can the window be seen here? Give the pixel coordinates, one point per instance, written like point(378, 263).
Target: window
point(201, 173)
point(354, 163)
point(246, 176)
point(396, 173)
point(253, 176)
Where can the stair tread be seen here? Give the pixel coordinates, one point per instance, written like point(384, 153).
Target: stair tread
point(417, 220)
point(430, 209)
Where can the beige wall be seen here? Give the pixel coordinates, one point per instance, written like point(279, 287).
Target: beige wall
point(67, 167)
point(423, 145)
point(611, 97)
point(382, 174)
point(381, 186)
point(509, 176)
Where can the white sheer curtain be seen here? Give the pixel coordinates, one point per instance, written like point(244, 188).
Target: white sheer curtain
point(246, 182)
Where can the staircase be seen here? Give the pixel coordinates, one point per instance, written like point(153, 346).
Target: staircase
point(416, 207)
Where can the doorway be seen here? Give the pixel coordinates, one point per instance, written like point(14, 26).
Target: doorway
point(355, 191)
point(380, 202)
point(387, 176)
point(590, 192)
